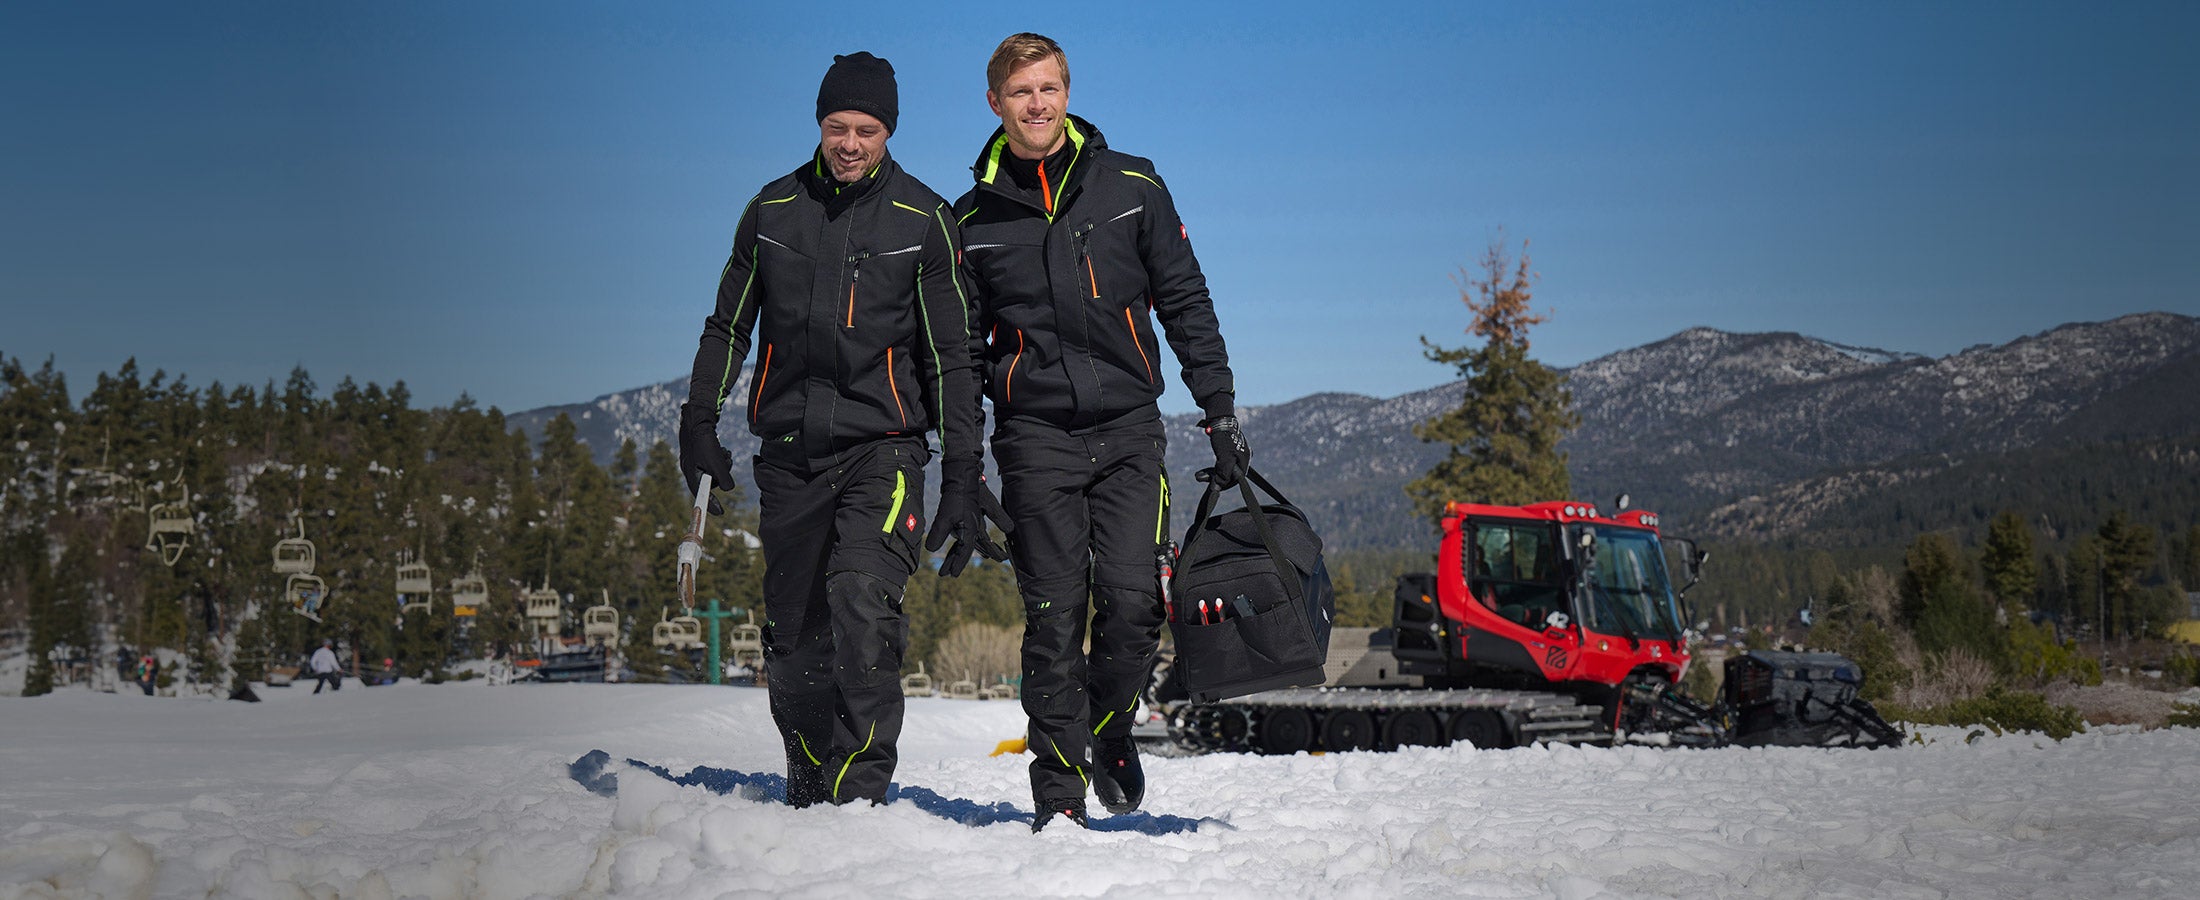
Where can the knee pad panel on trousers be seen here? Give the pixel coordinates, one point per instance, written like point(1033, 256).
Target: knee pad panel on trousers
point(1138, 575)
point(869, 632)
point(1046, 595)
point(795, 663)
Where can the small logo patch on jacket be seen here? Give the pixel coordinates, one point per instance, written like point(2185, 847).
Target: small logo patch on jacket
point(910, 523)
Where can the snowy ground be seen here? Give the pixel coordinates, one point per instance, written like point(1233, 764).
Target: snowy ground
point(464, 790)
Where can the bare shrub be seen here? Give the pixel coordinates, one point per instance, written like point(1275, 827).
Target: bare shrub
point(1878, 594)
point(981, 652)
point(1944, 678)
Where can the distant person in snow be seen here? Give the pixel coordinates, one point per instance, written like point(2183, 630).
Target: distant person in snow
point(148, 673)
point(324, 667)
point(843, 278)
point(1072, 250)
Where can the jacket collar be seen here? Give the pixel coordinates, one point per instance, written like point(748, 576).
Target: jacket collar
point(818, 180)
point(991, 168)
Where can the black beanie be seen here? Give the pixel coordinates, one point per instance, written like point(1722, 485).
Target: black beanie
point(861, 82)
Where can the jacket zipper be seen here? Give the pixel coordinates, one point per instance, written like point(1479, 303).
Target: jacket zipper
point(1141, 345)
point(1009, 392)
point(853, 276)
point(760, 377)
point(1084, 255)
point(895, 387)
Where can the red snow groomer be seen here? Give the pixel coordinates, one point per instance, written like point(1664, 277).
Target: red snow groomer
point(1547, 622)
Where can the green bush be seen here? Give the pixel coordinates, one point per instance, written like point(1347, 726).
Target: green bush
point(2186, 716)
point(1872, 648)
point(1701, 683)
point(2182, 668)
point(2001, 710)
point(2036, 659)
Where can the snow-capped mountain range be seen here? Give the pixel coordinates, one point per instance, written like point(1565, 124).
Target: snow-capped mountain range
point(1685, 424)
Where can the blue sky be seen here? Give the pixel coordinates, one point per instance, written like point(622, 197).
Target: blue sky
point(531, 202)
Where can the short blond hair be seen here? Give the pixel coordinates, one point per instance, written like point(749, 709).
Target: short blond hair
point(1020, 49)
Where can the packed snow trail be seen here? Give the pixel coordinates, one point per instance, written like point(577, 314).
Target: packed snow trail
point(463, 790)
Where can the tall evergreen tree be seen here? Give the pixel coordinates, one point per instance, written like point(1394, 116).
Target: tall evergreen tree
point(1940, 601)
point(2127, 552)
point(1503, 436)
point(2012, 570)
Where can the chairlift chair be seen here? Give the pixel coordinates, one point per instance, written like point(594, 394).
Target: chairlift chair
point(294, 555)
point(687, 633)
point(170, 528)
point(997, 692)
point(469, 594)
point(660, 634)
point(962, 689)
point(307, 594)
point(747, 645)
point(544, 608)
point(601, 622)
point(413, 578)
point(916, 684)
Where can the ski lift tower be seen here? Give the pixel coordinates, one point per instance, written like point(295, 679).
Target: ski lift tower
point(717, 666)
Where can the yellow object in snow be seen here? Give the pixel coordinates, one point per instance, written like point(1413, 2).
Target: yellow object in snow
point(2187, 631)
point(1008, 746)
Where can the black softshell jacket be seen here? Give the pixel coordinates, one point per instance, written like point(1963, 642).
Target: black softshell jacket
point(1063, 293)
point(862, 326)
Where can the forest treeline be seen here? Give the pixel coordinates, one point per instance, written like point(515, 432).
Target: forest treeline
point(371, 479)
point(2114, 531)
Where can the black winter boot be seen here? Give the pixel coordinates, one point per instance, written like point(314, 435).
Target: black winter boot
point(1117, 777)
point(806, 786)
point(1073, 813)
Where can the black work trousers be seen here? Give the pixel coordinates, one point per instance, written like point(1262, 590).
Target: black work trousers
point(1090, 511)
point(839, 545)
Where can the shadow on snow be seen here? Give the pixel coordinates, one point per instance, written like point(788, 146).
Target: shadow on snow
point(593, 772)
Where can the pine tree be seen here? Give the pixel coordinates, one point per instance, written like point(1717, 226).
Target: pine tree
point(1940, 603)
point(1503, 436)
point(2126, 553)
point(2012, 572)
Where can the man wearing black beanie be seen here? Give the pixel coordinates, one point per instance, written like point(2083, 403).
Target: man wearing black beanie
point(843, 278)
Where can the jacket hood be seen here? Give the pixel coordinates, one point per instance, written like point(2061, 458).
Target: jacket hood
point(988, 165)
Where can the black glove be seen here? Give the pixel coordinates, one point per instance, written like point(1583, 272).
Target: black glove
point(1231, 455)
point(701, 454)
point(959, 516)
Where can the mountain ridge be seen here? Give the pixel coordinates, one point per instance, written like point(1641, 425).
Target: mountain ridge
point(1689, 424)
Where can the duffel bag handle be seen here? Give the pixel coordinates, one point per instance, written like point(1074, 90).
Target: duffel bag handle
point(1285, 572)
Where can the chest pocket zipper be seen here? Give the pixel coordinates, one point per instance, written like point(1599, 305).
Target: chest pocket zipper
point(855, 274)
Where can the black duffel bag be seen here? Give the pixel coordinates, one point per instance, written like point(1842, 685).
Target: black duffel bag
point(1250, 603)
